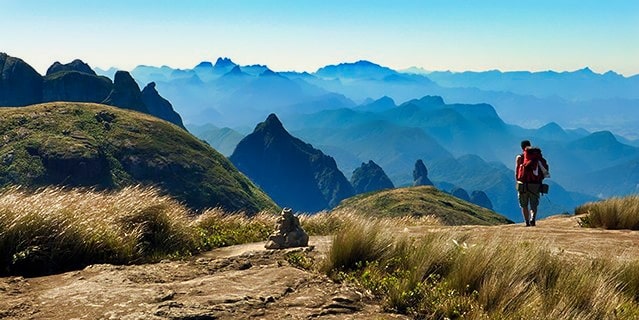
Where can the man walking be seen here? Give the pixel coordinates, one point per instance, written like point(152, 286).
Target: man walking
point(531, 168)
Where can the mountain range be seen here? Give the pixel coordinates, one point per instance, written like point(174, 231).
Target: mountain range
point(466, 128)
point(425, 127)
point(21, 85)
point(578, 99)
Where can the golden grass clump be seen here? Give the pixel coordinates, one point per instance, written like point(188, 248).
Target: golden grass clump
point(613, 213)
point(441, 276)
point(55, 229)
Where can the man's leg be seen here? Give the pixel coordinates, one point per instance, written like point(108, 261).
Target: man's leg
point(523, 204)
point(526, 214)
point(534, 203)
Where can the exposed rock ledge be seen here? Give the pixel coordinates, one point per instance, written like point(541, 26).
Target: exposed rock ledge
point(238, 282)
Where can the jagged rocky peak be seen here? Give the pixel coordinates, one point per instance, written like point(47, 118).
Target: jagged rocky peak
point(370, 177)
point(126, 93)
point(224, 63)
point(420, 174)
point(75, 65)
point(272, 124)
point(20, 84)
point(158, 106)
point(481, 199)
point(291, 171)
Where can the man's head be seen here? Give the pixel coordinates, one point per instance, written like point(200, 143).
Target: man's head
point(524, 144)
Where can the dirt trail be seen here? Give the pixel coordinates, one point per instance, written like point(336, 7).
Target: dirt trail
point(247, 281)
point(561, 234)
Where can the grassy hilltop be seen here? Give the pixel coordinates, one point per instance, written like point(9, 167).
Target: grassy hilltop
point(421, 201)
point(93, 145)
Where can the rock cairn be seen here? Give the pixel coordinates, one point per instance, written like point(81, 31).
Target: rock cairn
point(288, 232)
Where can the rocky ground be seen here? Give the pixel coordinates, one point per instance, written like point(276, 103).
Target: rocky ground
point(238, 282)
point(247, 281)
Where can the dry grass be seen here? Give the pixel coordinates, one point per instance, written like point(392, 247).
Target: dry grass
point(441, 276)
point(55, 229)
point(613, 213)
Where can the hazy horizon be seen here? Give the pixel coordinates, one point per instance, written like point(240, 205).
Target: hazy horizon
point(304, 36)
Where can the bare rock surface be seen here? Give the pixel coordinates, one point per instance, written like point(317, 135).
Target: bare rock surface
point(238, 282)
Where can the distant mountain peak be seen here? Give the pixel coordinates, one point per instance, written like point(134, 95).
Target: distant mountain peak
point(236, 71)
point(585, 70)
point(361, 69)
point(365, 63)
point(224, 63)
point(272, 123)
point(432, 100)
point(269, 73)
point(204, 65)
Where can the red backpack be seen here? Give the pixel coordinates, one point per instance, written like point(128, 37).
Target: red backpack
point(529, 168)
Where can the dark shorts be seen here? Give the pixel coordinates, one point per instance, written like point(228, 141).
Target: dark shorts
point(529, 196)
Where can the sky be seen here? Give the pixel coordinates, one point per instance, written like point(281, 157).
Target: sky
point(304, 35)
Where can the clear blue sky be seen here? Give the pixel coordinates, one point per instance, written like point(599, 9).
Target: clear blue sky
point(304, 35)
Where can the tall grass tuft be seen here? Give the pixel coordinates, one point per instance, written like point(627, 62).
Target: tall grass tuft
point(441, 276)
point(55, 229)
point(360, 241)
point(216, 228)
point(613, 213)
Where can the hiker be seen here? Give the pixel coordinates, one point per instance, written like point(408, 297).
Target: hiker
point(530, 171)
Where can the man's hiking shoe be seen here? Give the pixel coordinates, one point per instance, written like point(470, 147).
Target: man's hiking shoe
point(527, 224)
point(532, 223)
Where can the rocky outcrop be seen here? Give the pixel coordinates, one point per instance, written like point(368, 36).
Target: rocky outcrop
point(159, 106)
point(420, 174)
point(461, 194)
point(481, 199)
point(370, 177)
point(76, 65)
point(126, 93)
point(20, 84)
point(292, 172)
point(67, 84)
point(288, 232)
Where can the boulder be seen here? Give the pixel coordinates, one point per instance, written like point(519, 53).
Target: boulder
point(288, 232)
